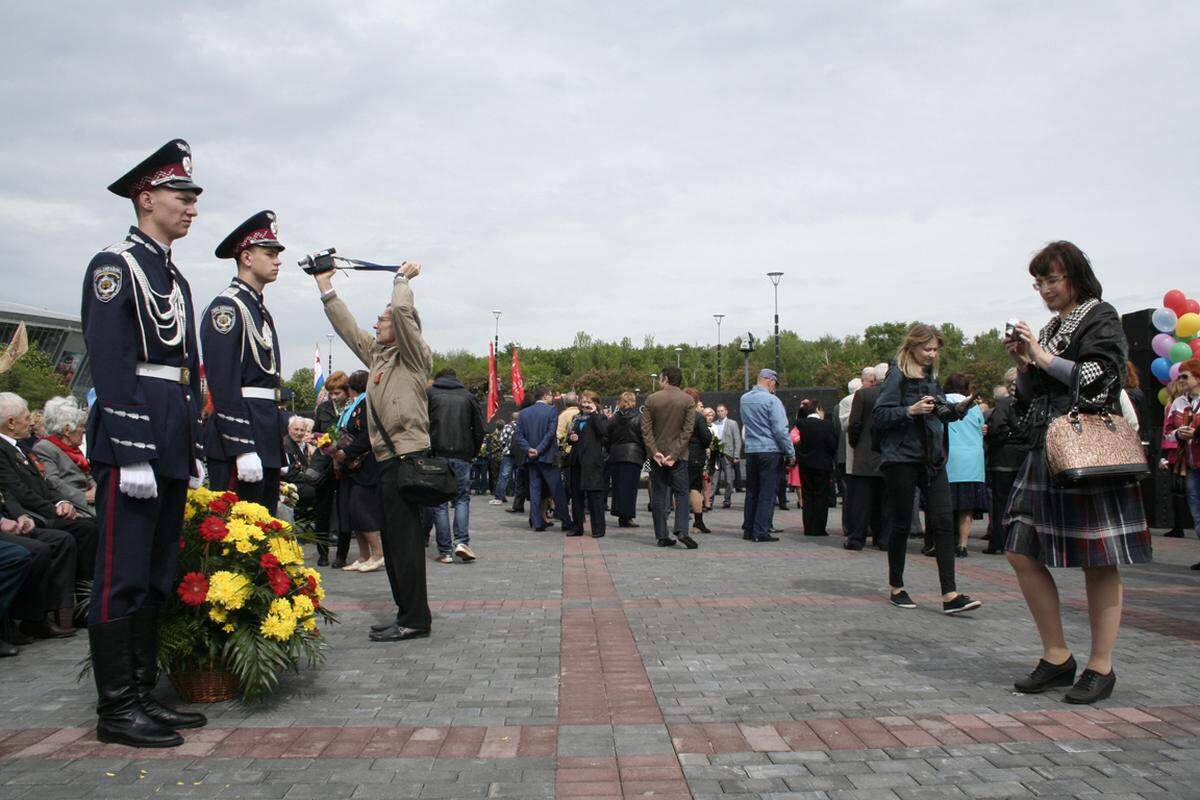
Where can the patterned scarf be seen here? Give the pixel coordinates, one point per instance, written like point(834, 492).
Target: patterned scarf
point(1055, 337)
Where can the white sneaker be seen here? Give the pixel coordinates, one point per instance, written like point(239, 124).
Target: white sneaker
point(464, 552)
point(372, 565)
point(495, 502)
point(355, 567)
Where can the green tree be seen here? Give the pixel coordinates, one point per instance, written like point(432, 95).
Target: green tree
point(33, 377)
point(301, 384)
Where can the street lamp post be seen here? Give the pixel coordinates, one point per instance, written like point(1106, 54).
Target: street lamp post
point(717, 377)
point(678, 355)
point(653, 381)
point(496, 348)
point(775, 277)
point(747, 348)
point(329, 370)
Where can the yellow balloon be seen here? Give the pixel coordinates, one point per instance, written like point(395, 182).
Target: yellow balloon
point(1188, 325)
point(1163, 398)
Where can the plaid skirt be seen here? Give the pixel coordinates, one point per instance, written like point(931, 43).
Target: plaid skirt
point(1097, 524)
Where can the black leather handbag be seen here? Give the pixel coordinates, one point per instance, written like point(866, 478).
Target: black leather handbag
point(424, 479)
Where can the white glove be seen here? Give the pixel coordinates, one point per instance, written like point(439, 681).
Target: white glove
point(249, 467)
point(137, 480)
point(197, 480)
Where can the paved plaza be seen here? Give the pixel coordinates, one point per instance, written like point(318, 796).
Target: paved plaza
point(577, 668)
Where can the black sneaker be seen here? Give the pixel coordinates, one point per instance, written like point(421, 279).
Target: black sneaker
point(688, 542)
point(960, 552)
point(767, 538)
point(665, 542)
point(960, 604)
point(1174, 533)
point(852, 546)
point(1047, 676)
point(1196, 565)
point(901, 599)
point(1091, 687)
point(931, 552)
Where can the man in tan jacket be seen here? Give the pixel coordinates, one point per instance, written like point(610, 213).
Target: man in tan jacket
point(667, 426)
point(400, 362)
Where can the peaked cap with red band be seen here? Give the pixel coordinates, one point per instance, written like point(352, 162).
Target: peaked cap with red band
point(169, 167)
point(262, 230)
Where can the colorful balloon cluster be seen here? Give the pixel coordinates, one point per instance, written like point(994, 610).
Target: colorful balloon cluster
point(1178, 323)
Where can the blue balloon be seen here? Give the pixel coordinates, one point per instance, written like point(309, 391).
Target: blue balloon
point(1161, 367)
point(1164, 319)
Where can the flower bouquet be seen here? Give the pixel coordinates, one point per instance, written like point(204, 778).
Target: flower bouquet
point(245, 608)
point(289, 495)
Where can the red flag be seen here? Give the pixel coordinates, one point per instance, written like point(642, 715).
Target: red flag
point(518, 383)
point(493, 388)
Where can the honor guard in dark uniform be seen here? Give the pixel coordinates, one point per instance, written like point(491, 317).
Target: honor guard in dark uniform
point(244, 440)
point(143, 442)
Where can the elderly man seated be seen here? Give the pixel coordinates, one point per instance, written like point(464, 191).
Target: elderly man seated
point(63, 463)
point(45, 598)
point(29, 494)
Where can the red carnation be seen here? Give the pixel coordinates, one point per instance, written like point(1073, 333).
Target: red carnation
point(281, 584)
point(229, 497)
point(213, 529)
point(219, 506)
point(310, 590)
point(269, 561)
point(193, 588)
point(274, 526)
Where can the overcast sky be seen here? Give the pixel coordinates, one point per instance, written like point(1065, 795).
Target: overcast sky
point(621, 168)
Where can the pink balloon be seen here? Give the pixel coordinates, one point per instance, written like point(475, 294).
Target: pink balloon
point(1161, 344)
point(1192, 306)
point(1176, 301)
point(1175, 371)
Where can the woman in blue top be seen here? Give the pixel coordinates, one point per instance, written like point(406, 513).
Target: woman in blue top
point(964, 467)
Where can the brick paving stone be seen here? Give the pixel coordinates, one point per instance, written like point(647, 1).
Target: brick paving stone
point(611, 668)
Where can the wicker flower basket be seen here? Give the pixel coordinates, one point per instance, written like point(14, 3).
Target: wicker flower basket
point(205, 686)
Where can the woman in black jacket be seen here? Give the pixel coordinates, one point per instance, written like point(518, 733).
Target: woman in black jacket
point(697, 458)
point(588, 435)
point(815, 454)
point(360, 505)
point(626, 454)
point(1096, 525)
point(910, 425)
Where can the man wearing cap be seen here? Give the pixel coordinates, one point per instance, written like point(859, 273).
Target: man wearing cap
point(143, 442)
point(245, 434)
point(768, 448)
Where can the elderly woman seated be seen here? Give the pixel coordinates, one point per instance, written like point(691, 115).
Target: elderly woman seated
point(63, 462)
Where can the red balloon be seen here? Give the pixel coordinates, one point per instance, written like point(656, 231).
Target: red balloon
point(1195, 345)
point(1176, 301)
point(1193, 306)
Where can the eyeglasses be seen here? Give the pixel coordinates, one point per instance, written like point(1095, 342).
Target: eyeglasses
point(1051, 282)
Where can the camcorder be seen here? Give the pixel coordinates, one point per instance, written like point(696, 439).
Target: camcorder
point(328, 261)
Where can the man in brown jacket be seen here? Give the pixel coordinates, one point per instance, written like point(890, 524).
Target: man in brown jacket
point(666, 428)
point(400, 362)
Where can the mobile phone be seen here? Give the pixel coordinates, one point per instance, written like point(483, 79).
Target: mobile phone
point(1010, 329)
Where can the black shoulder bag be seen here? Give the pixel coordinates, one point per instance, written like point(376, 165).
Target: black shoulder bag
point(423, 479)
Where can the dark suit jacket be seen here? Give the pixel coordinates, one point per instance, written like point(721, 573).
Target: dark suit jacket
point(24, 485)
point(537, 429)
point(858, 429)
point(818, 444)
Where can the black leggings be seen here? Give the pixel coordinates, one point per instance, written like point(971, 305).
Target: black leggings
point(902, 481)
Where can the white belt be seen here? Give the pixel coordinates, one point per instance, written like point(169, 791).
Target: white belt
point(259, 393)
point(164, 372)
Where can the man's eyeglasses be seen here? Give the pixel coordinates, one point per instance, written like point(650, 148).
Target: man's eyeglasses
point(1051, 282)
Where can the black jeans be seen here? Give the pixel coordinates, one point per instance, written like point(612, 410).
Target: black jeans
point(404, 551)
point(864, 508)
point(520, 487)
point(762, 476)
point(814, 488)
point(902, 482)
point(666, 482)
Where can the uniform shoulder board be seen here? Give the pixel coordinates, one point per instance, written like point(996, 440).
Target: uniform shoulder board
point(228, 291)
point(119, 247)
point(223, 318)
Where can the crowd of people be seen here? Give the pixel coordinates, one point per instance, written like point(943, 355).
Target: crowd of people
point(91, 496)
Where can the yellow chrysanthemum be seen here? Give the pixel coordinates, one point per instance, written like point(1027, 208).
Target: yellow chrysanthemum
point(310, 624)
point(288, 551)
point(280, 622)
point(280, 607)
point(218, 614)
point(242, 531)
point(229, 589)
point(250, 511)
point(228, 627)
point(189, 511)
point(302, 606)
point(201, 497)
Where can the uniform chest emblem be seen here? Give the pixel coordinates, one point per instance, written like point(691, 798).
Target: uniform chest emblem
point(106, 282)
point(268, 340)
point(223, 319)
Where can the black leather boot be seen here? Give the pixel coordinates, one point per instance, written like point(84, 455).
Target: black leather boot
point(145, 674)
point(122, 720)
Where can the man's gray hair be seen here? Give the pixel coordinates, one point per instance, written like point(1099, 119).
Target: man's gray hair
point(867, 374)
point(881, 370)
point(570, 399)
point(63, 415)
point(854, 385)
point(11, 405)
